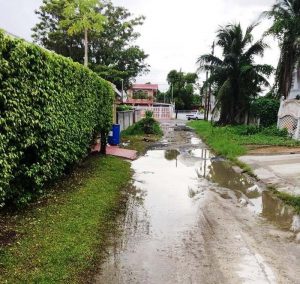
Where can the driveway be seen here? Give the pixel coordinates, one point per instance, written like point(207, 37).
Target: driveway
point(282, 171)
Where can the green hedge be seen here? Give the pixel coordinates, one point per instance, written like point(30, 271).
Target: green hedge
point(50, 110)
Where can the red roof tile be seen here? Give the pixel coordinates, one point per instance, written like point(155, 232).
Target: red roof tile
point(145, 86)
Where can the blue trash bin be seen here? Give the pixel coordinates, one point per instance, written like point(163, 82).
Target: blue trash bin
point(114, 135)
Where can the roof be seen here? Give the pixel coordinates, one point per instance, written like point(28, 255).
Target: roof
point(145, 86)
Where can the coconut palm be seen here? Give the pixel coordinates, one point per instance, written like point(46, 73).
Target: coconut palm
point(235, 78)
point(286, 27)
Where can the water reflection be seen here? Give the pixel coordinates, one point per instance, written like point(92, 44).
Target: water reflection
point(171, 154)
point(260, 202)
point(276, 211)
point(168, 187)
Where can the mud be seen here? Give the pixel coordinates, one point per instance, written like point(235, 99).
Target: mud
point(193, 219)
point(271, 150)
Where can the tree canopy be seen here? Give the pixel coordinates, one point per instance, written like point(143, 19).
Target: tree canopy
point(235, 78)
point(113, 53)
point(82, 16)
point(286, 28)
point(182, 89)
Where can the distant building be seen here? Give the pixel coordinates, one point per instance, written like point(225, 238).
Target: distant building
point(142, 94)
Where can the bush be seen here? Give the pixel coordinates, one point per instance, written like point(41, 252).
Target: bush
point(50, 110)
point(149, 114)
point(246, 129)
point(275, 131)
point(146, 125)
point(267, 109)
point(124, 108)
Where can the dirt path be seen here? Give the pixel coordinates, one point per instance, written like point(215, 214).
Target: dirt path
point(192, 219)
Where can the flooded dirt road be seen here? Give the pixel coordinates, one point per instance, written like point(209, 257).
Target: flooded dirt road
point(192, 219)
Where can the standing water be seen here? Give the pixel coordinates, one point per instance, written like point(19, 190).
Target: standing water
point(159, 243)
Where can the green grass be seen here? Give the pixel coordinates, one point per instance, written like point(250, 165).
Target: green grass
point(60, 239)
point(228, 142)
point(138, 143)
point(220, 140)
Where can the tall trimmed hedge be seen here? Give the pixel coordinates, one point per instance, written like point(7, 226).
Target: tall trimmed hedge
point(50, 110)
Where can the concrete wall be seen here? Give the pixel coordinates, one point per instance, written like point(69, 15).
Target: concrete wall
point(128, 118)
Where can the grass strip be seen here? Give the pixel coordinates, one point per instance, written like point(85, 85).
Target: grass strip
point(218, 139)
point(227, 141)
point(60, 240)
point(140, 143)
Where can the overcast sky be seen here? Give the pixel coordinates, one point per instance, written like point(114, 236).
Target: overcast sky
point(175, 33)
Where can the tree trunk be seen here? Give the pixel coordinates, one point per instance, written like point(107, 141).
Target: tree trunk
point(85, 48)
point(103, 142)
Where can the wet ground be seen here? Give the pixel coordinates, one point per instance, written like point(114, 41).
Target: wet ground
point(193, 219)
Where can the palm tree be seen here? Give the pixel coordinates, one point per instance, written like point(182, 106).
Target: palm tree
point(286, 27)
point(235, 78)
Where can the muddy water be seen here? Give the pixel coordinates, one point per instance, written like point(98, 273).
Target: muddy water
point(170, 183)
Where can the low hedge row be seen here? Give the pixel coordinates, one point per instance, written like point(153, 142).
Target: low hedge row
point(50, 110)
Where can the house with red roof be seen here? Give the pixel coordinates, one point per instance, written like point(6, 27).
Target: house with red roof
point(142, 94)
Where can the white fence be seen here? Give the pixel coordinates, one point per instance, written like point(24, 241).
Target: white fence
point(159, 112)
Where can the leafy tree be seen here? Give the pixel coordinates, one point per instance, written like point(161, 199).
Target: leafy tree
point(182, 88)
point(267, 109)
point(82, 16)
point(112, 53)
point(286, 27)
point(235, 78)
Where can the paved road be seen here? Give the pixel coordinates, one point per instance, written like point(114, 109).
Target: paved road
point(192, 219)
point(282, 171)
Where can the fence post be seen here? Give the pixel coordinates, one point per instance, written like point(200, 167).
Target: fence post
point(123, 121)
point(297, 132)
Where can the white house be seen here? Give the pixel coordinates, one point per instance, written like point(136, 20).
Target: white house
point(289, 111)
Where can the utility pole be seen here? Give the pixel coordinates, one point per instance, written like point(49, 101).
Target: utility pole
point(172, 92)
point(122, 80)
point(208, 93)
point(206, 100)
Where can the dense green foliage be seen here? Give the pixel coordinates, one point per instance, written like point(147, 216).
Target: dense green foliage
point(235, 78)
point(230, 141)
point(82, 17)
point(50, 110)
point(60, 239)
point(140, 95)
point(124, 108)
point(181, 89)
point(267, 109)
point(147, 125)
point(113, 53)
point(286, 28)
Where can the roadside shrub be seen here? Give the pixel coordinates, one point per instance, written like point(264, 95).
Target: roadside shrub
point(149, 114)
point(124, 108)
point(246, 129)
point(147, 125)
point(275, 131)
point(50, 110)
point(267, 109)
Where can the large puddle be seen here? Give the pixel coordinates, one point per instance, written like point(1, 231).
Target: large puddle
point(170, 181)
